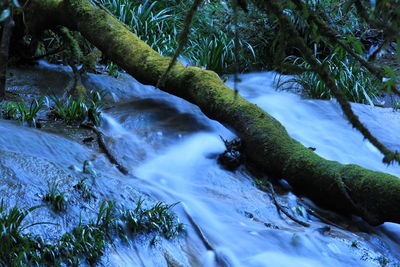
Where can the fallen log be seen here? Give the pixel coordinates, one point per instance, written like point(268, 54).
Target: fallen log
point(349, 188)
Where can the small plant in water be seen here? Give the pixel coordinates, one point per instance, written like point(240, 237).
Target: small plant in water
point(113, 69)
point(75, 111)
point(16, 248)
point(95, 103)
point(382, 261)
point(158, 219)
point(84, 189)
point(56, 198)
point(355, 244)
point(23, 112)
point(86, 242)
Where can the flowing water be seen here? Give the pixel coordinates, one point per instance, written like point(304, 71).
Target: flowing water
point(170, 149)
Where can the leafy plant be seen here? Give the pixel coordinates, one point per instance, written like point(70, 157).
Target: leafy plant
point(156, 27)
point(158, 23)
point(17, 248)
point(95, 103)
point(86, 242)
point(21, 111)
point(84, 189)
point(73, 110)
point(69, 110)
point(157, 219)
point(113, 69)
point(56, 198)
point(9, 111)
point(353, 80)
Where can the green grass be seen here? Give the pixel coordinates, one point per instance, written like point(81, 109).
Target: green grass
point(55, 197)
point(22, 111)
point(75, 111)
point(158, 219)
point(17, 248)
point(158, 24)
point(87, 242)
point(86, 192)
point(353, 80)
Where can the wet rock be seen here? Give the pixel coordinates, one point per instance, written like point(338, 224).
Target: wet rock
point(232, 157)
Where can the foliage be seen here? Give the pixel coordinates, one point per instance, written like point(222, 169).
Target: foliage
point(112, 69)
point(86, 242)
point(158, 23)
point(95, 102)
point(156, 27)
point(352, 79)
point(155, 219)
point(21, 111)
point(72, 110)
point(6, 9)
point(69, 109)
point(56, 198)
point(84, 189)
point(17, 248)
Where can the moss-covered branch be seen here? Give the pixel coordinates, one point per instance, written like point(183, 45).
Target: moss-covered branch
point(276, 9)
point(347, 188)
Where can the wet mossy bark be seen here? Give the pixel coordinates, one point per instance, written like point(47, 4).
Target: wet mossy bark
point(348, 188)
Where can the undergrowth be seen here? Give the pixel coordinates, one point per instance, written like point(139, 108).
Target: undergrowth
point(87, 241)
point(55, 197)
point(20, 110)
point(158, 24)
point(69, 109)
point(76, 110)
point(352, 79)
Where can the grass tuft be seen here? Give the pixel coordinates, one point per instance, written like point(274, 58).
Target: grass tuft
point(84, 189)
point(353, 80)
point(86, 242)
point(21, 111)
point(75, 111)
point(56, 198)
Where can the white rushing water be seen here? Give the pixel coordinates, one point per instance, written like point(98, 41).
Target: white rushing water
point(170, 148)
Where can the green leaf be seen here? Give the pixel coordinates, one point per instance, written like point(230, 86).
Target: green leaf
point(16, 3)
point(398, 50)
point(390, 72)
point(4, 14)
point(347, 7)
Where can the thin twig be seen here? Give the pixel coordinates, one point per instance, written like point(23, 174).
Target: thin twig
point(280, 208)
point(199, 232)
point(103, 145)
point(324, 220)
point(183, 38)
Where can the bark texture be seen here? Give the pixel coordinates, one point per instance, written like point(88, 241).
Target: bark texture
point(7, 26)
point(348, 188)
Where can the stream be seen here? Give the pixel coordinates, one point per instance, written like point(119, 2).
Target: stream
point(170, 149)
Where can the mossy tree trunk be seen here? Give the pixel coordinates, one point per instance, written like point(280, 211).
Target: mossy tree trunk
point(349, 188)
